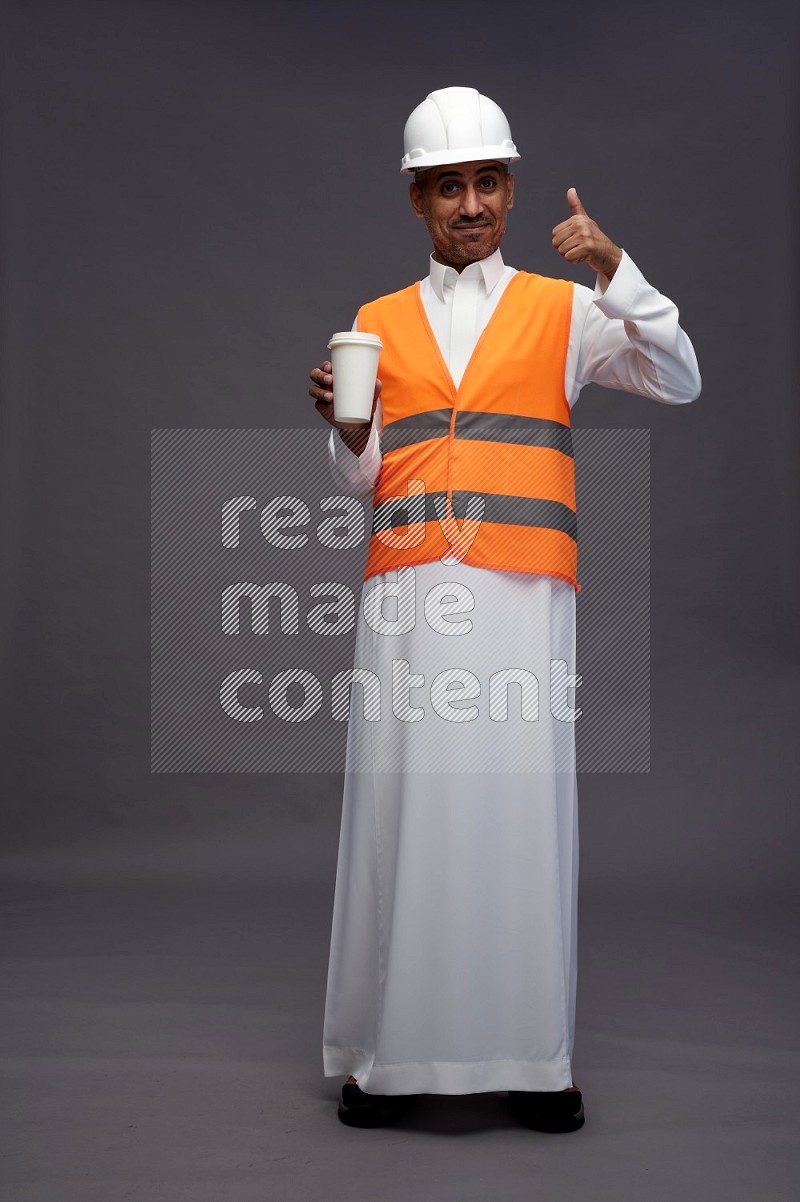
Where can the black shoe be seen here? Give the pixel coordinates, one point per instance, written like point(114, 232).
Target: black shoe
point(559, 1111)
point(359, 1109)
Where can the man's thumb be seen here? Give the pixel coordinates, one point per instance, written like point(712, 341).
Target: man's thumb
point(573, 200)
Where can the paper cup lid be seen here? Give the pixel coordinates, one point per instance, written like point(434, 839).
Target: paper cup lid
point(354, 338)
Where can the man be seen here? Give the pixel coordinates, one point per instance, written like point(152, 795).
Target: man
point(453, 956)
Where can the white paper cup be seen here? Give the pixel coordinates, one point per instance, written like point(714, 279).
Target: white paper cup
point(355, 368)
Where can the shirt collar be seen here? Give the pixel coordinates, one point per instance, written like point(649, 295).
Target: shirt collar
point(490, 269)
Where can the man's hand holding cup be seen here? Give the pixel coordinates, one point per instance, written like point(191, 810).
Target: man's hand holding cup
point(350, 410)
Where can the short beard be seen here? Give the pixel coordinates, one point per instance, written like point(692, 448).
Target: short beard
point(461, 254)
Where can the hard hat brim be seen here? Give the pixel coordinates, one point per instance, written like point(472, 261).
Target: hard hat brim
point(421, 160)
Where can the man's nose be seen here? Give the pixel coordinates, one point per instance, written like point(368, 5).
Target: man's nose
point(471, 203)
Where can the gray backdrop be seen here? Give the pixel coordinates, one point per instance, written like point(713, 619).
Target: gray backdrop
point(194, 196)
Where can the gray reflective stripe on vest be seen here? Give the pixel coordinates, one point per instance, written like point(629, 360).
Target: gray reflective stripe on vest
point(521, 511)
point(510, 427)
point(418, 427)
point(499, 508)
point(405, 510)
point(488, 427)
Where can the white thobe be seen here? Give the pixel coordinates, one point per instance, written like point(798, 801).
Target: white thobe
point(453, 957)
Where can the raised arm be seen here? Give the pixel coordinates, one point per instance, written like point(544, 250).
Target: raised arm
point(625, 334)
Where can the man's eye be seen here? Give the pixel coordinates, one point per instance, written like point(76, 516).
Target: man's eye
point(488, 182)
point(448, 189)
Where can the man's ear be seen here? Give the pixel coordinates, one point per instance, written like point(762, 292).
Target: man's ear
point(510, 186)
point(415, 192)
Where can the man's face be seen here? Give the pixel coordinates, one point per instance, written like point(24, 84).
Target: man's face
point(464, 206)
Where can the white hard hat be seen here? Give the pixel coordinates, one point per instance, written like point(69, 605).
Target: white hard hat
point(456, 125)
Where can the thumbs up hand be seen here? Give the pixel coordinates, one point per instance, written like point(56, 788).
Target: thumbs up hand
point(573, 200)
point(580, 240)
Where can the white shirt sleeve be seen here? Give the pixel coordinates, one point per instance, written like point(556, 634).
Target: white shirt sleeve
point(357, 473)
point(626, 335)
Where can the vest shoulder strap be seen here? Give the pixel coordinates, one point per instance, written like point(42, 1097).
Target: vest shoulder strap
point(395, 305)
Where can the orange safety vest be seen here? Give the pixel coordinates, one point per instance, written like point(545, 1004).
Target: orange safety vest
point(484, 471)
